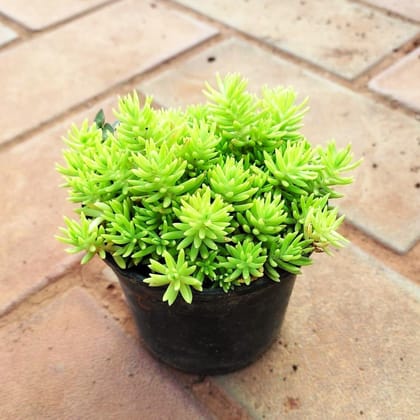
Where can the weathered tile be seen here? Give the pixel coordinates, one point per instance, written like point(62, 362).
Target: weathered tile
point(348, 348)
point(408, 8)
point(38, 14)
point(401, 81)
point(32, 208)
point(384, 200)
point(73, 63)
point(6, 35)
point(70, 360)
point(341, 36)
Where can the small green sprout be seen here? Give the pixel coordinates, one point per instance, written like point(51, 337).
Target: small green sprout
point(204, 222)
point(84, 236)
point(233, 183)
point(175, 274)
point(245, 262)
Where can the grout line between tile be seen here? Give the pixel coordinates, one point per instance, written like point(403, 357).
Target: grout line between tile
point(34, 33)
point(41, 293)
point(386, 11)
point(409, 287)
point(122, 86)
point(357, 84)
point(226, 32)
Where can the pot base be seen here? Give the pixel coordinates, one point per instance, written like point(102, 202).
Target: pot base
point(220, 368)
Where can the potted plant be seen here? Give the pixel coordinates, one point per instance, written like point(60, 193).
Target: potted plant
point(206, 215)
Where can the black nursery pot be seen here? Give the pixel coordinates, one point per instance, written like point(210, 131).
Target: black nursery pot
point(218, 332)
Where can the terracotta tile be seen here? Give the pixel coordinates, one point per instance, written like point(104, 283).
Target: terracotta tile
point(67, 66)
point(32, 209)
point(6, 35)
point(401, 81)
point(38, 14)
point(407, 8)
point(71, 360)
point(384, 200)
point(342, 36)
point(348, 348)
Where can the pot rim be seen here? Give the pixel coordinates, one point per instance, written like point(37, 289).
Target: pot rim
point(135, 276)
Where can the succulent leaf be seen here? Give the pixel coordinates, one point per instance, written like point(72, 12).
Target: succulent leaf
point(199, 147)
point(293, 168)
point(136, 124)
point(204, 222)
point(335, 162)
point(265, 219)
point(175, 274)
point(232, 181)
point(320, 227)
point(85, 236)
point(288, 253)
point(232, 109)
point(245, 261)
point(157, 174)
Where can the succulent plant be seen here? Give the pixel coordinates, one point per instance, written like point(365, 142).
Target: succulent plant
point(216, 195)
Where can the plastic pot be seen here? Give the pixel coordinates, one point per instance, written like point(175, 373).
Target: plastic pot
point(218, 333)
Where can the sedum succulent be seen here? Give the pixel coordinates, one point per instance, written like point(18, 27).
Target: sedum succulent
point(215, 196)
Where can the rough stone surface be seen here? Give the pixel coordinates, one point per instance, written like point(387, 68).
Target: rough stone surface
point(86, 367)
point(38, 14)
point(33, 206)
point(388, 141)
point(68, 67)
point(401, 81)
point(407, 8)
point(6, 35)
point(341, 36)
point(348, 348)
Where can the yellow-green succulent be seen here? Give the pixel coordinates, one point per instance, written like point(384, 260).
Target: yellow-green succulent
point(213, 196)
